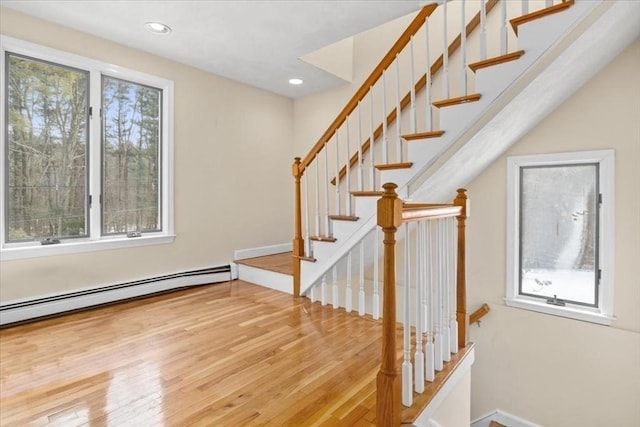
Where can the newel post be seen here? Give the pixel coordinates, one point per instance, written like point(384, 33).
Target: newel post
point(388, 381)
point(461, 286)
point(298, 241)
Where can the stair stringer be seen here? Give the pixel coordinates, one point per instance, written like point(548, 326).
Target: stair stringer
point(438, 168)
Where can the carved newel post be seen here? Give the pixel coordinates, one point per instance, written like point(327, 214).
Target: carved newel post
point(298, 241)
point(388, 381)
point(461, 286)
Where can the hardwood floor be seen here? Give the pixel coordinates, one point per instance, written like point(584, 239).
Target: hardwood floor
point(231, 354)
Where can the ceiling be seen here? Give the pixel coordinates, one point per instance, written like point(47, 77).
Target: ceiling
point(257, 42)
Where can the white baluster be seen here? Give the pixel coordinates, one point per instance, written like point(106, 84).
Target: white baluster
point(372, 168)
point(337, 178)
point(548, 3)
point(407, 368)
point(429, 107)
point(525, 7)
point(323, 290)
point(385, 140)
point(348, 295)
point(317, 168)
point(463, 49)
point(429, 373)
point(444, 249)
point(308, 245)
point(359, 169)
point(437, 300)
point(503, 28)
point(361, 291)
point(334, 289)
point(376, 276)
point(412, 111)
point(327, 225)
point(348, 175)
point(453, 255)
point(419, 355)
point(312, 293)
point(398, 113)
point(483, 30)
point(445, 55)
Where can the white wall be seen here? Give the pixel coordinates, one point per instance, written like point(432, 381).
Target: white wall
point(551, 370)
point(233, 150)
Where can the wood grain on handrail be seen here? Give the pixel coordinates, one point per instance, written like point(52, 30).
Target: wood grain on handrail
point(417, 212)
point(479, 313)
point(370, 81)
point(420, 84)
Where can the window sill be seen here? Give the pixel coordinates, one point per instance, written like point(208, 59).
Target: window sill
point(571, 312)
point(65, 248)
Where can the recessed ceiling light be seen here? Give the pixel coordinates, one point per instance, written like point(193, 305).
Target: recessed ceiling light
point(295, 81)
point(157, 27)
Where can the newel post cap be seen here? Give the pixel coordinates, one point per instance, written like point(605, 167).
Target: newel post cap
point(389, 207)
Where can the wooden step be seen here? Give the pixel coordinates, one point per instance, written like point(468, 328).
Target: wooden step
point(367, 193)
point(280, 263)
point(515, 22)
point(323, 238)
point(391, 166)
point(456, 101)
point(496, 60)
point(343, 218)
point(423, 135)
point(496, 424)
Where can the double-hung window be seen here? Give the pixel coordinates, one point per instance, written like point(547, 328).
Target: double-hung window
point(86, 154)
point(560, 234)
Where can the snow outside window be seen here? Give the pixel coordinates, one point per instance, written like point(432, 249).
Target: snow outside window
point(559, 237)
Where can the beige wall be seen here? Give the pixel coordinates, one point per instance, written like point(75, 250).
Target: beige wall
point(551, 370)
point(223, 130)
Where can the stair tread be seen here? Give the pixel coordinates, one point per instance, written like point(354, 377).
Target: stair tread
point(390, 166)
point(323, 238)
point(423, 135)
point(496, 60)
point(367, 193)
point(456, 101)
point(515, 22)
point(343, 218)
point(279, 263)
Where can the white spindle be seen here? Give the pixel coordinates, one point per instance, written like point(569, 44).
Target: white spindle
point(348, 295)
point(372, 168)
point(525, 7)
point(548, 3)
point(437, 299)
point(348, 174)
point(429, 107)
point(337, 176)
point(361, 288)
point(317, 186)
point(503, 28)
point(407, 380)
point(398, 113)
point(445, 55)
point(323, 290)
point(360, 159)
point(420, 267)
point(376, 276)
point(463, 48)
point(334, 289)
point(429, 373)
point(444, 250)
point(312, 293)
point(385, 140)
point(453, 322)
point(307, 241)
point(412, 111)
point(327, 225)
point(483, 30)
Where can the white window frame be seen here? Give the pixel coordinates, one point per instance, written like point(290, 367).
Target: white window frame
point(95, 241)
point(603, 313)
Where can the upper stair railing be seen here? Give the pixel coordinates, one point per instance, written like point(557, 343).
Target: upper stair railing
point(428, 68)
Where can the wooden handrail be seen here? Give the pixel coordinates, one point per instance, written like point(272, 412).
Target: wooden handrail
point(417, 212)
point(479, 313)
point(388, 59)
point(420, 84)
point(461, 285)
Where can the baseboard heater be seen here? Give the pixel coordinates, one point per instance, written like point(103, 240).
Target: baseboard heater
point(33, 308)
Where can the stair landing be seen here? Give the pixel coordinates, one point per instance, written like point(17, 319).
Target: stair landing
point(271, 271)
point(279, 263)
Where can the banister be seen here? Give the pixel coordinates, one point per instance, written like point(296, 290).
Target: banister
point(419, 212)
point(420, 84)
point(370, 81)
point(461, 285)
point(479, 313)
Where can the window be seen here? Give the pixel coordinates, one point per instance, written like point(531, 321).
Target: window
point(559, 234)
point(86, 154)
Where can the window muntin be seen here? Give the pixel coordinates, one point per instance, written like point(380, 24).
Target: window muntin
point(131, 167)
point(559, 233)
point(46, 153)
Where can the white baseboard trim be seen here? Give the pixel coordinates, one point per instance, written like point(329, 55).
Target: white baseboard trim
point(262, 251)
point(268, 279)
point(33, 308)
point(503, 418)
